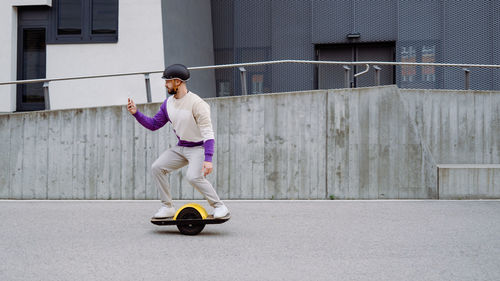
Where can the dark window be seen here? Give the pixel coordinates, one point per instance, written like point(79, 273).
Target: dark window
point(104, 16)
point(84, 21)
point(32, 66)
point(69, 17)
point(31, 56)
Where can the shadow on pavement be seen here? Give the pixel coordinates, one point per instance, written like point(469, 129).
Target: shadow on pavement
point(175, 231)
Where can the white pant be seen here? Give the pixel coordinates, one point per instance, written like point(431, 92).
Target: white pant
point(176, 158)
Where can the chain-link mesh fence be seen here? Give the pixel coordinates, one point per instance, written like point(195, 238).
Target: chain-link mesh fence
point(459, 31)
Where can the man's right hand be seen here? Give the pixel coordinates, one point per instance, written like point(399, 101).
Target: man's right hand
point(131, 106)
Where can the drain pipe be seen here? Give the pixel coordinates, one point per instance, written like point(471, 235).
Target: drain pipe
point(360, 73)
point(363, 72)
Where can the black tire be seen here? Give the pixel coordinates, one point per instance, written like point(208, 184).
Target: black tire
point(190, 213)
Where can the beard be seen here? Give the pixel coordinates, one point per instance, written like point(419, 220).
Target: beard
point(172, 91)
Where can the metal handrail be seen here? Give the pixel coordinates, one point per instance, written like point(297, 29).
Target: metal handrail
point(77, 77)
point(256, 64)
point(345, 63)
point(241, 66)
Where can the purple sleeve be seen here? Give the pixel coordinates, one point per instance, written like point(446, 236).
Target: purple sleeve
point(209, 150)
point(155, 123)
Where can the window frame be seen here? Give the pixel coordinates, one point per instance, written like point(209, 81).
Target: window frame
point(86, 24)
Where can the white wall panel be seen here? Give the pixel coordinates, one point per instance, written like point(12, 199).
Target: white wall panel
point(139, 48)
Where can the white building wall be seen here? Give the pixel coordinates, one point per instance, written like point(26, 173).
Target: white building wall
point(30, 2)
point(8, 19)
point(139, 48)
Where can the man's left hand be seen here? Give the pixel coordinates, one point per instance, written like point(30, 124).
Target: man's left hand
point(207, 168)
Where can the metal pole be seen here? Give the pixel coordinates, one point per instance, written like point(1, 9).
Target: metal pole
point(243, 75)
point(377, 75)
point(46, 95)
point(148, 87)
point(347, 77)
point(467, 78)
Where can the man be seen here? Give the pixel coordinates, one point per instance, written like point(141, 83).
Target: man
point(190, 118)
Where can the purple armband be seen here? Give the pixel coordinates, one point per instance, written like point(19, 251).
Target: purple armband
point(209, 150)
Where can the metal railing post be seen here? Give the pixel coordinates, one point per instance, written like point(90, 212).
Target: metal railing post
point(243, 75)
point(347, 78)
point(467, 78)
point(46, 95)
point(377, 75)
point(148, 87)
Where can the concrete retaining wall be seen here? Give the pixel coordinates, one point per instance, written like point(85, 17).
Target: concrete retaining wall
point(366, 143)
point(374, 148)
point(458, 181)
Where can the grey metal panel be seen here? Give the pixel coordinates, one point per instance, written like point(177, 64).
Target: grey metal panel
point(495, 39)
point(448, 31)
point(190, 44)
point(291, 39)
point(424, 31)
point(420, 29)
point(223, 23)
point(331, 21)
point(252, 22)
point(419, 20)
point(375, 20)
point(252, 43)
point(465, 33)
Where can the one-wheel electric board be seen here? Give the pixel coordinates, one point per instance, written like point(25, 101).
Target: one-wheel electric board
point(190, 219)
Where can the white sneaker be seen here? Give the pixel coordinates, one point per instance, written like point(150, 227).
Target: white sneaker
point(165, 212)
point(220, 211)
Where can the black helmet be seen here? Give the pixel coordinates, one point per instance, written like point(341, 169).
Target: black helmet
point(178, 71)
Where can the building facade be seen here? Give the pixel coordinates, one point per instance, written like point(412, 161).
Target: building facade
point(63, 38)
point(441, 31)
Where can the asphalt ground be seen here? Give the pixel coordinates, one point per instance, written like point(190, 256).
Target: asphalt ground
point(264, 240)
